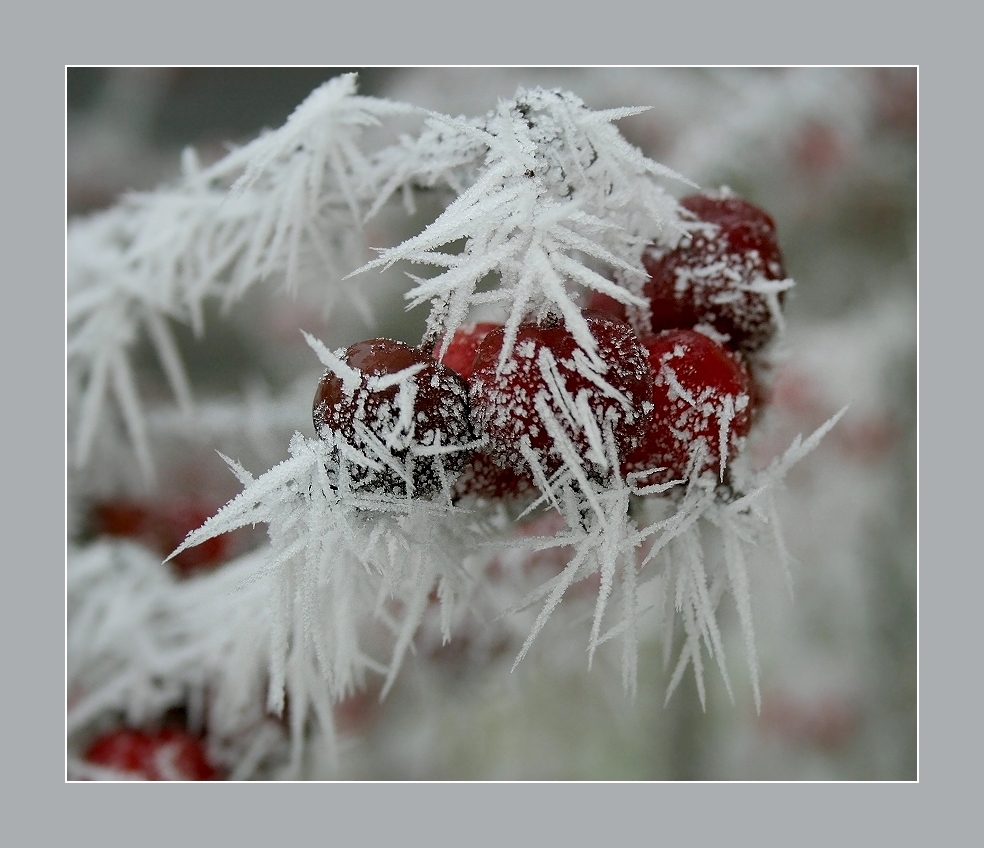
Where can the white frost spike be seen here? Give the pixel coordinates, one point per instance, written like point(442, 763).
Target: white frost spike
point(577, 412)
point(562, 399)
point(351, 377)
point(726, 414)
point(333, 555)
point(587, 369)
point(602, 535)
point(680, 550)
point(552, 187)
point(738, 577)
point(380, 382)
point(382, 454)
point(133, 417)
point(242, 475)
point(588, 419)
point(613, 532)
point(319, 136)
point(163, 255)
point(167, 353)
point(557, 586)
point(668, 374)
point(770, 290)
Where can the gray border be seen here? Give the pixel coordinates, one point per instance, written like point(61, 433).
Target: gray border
point(35, 137)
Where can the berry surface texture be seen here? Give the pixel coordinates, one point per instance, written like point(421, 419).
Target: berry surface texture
point(546, 402)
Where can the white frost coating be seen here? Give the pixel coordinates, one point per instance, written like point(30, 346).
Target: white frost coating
point(583, 366)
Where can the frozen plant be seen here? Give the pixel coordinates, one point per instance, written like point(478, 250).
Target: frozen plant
point(595, 351)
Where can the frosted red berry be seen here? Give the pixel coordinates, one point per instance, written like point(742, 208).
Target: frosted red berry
point(707, 279)
point(481, 477)
point(388, 432)
point(547, 381)
point(701, 394)
point(169, 753)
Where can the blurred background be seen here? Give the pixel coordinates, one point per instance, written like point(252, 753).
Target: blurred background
point(831, 153)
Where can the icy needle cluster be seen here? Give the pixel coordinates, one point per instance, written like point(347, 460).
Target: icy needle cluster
point(291, 197)
point(550, 195)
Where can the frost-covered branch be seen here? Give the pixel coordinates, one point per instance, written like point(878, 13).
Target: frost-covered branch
point(297, 198)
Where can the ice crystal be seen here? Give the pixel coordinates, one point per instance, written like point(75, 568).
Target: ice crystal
point(549, 192)
point(341, 555)
point(159, 257)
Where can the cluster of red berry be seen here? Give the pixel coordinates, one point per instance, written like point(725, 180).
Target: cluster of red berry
point(491, 416)
point(677, 397)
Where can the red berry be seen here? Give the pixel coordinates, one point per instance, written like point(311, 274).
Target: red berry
point(827, 723)
point(701, 394)
point(173, 522)
point(706, 280)
point(120, 518)
point(166, 754)
point(548, 376)
point(355, 713)
point(481, 477)
point(463, 346)
point(162, 527)
point(390, 425)
point(601, 302)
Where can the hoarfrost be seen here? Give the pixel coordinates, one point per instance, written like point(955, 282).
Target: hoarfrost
point(549, 200)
